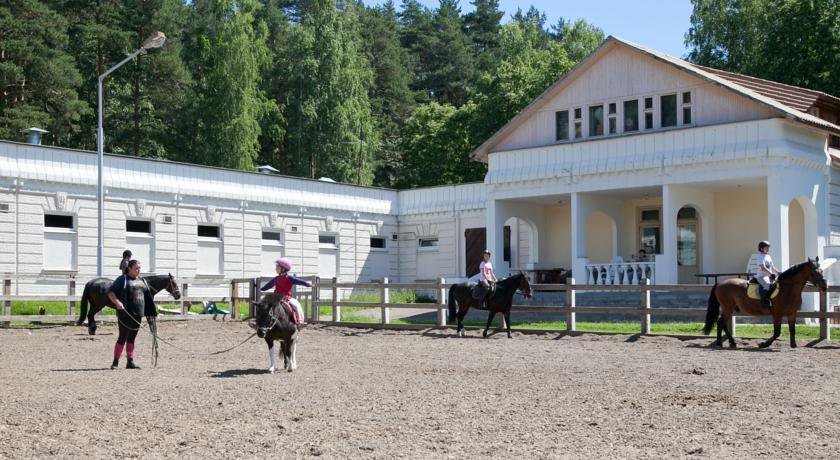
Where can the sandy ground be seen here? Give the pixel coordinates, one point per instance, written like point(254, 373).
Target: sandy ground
point(416, 394)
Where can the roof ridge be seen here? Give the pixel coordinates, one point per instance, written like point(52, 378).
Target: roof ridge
point(759, 79)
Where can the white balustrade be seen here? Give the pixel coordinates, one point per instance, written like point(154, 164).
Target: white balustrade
point(620, 273)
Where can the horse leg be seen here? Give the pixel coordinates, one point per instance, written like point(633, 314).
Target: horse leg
point(490, 316)
point(91, 317)
point(720, 326)
point(723, 322)
point(777, 331)
point(507, 321)
point(290, 350)
point(272, 356)
point(283, 347)
point(792, 329)
point(462, 312)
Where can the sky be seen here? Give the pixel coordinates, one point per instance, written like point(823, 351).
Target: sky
point(656, 24)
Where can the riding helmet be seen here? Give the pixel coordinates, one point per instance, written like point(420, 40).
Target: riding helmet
point(763, 244)
point(487, 251)
point(285, 263)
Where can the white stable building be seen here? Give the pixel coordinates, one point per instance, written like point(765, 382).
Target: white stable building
point(633, 149)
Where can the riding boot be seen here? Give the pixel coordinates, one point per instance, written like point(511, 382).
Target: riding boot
point(115, 364)
point(765, 297)
point(131, 365)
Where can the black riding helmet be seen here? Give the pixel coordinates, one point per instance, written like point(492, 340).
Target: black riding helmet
point(763, 244)
point(486, 251)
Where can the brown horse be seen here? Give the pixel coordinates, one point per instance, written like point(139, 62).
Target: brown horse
point(730, 296)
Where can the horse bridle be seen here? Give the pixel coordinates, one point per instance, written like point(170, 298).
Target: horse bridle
point(170, 287)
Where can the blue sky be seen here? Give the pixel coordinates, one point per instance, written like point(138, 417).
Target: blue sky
point(657, 24)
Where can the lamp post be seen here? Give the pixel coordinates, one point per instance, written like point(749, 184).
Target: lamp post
point(156, 40)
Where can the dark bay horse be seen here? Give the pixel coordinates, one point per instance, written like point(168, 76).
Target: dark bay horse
point(96, 294)
point(274, 322)
point(730, 296)
point(461, 295)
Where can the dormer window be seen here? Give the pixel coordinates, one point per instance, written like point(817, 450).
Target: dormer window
point(561, 122)
point(596, 120)
point(668, 110)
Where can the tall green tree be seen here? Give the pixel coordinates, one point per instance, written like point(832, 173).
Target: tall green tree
point(483, 26)
point(578, 38)
point(451, 59)
point(273, 125)
point(38, 78)
point(227, 52)
point(330, 125)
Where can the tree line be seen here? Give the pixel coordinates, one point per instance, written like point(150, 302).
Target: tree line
point(382, 95)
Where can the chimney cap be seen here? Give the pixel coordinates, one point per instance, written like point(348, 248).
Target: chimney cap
point(34, 130)
point(267, 169)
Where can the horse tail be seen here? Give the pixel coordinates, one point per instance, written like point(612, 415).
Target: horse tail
point(452, 312)
point(83, 309)
point(712, 312)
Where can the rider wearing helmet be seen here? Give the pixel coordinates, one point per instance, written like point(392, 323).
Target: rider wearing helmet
point(487, 275)
point(763, 271)
point(283, 283)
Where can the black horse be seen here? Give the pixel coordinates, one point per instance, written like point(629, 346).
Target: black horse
point(274, 322)
point(96, 294)
point(461, 295)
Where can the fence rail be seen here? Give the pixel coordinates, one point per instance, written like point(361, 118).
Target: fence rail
point(314, 298)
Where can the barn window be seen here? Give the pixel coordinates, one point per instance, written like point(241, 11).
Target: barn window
point(272, 249)
point(668, 110)
point(60, 242)
point(648, 113)
point(611, 117)
point(631, 115)
point(596, 120)
point(328, 240)
point(561, 128)
point(578, 123)
point(139, 239)
point(211, 251)
point(429, 244)
point(377, 242)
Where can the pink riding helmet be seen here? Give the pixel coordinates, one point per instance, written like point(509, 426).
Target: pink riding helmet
point(285, 263)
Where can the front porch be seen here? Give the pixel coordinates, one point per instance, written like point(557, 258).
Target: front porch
point(684, 229)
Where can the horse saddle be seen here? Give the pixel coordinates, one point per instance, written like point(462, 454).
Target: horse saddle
point(290, 310)
point(752, 290)
point(479, 292)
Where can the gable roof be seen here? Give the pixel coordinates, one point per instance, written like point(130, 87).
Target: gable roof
point(783, 99)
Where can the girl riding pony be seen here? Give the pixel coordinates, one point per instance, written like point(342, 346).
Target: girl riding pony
point(283, 283)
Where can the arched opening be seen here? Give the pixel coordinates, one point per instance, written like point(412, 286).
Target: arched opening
point(796, 233)
point(689, 239)
point(521, 243)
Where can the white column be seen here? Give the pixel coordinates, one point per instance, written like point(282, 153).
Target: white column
point(777, 223)
point(666, 262)
point(495, 223)
point(580, 210)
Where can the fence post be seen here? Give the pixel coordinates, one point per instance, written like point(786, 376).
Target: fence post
point(336, 310)
point(441, 298)
point(233, 300)
point(185, 304)
point(825, 331)
point(71, 291)
point(7, 304)
point(732, 324)
point(316, 298)
point(645, 305)
point(385, 294)
point(570, 303)
point(253, 293)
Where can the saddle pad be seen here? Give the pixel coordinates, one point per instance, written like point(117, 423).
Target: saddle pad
point(752, 292)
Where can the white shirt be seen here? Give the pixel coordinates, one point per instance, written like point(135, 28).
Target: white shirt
point(765, 261)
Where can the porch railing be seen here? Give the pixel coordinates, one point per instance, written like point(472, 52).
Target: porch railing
point(627, 273)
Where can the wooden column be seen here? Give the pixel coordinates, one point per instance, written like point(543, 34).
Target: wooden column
point(185, 304)
point(71, 292)
point(644, 304)
point(336, 310)
point(7, 304)
point(570, 303)
point(825, 327)
point(441, 300)
point(385, 297)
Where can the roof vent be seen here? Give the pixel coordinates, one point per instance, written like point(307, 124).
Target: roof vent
point(33, 135)
point(326, 179)
point(266, 169)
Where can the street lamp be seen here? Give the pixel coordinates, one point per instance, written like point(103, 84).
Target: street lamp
point(156, 40)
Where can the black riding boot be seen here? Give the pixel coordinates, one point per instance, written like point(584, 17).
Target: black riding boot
point(130, 364)
point(115, 364)
point(765, 296)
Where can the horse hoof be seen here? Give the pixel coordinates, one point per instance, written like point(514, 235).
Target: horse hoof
point(717, 345)
point(290, 369)
point(732, 346)
point(461, 333)
point(270, 370)
point(91, 330)
point(763, 344)
point(509, 336)
point(793, 344)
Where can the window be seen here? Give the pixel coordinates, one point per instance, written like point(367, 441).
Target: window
point(138, 226)
point(208, 231)
point(272, 237)
point(578, 123)
point(507, 251)
point(650, 215)
point(327, 240)
point(428, 242)
point(834, 141)
point(596, 120)
point(668, 110)
point(611, 118)
point(648, 113)
point(686, 108)
point(271, 250)
point(60, 242)
point(377, 242)
point(688, 213)
point(561, 121)
point(211, 251)
point(631, 115)
point(650, 231)
point(55, 221)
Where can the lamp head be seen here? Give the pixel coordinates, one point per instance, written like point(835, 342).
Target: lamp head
point(156, 40)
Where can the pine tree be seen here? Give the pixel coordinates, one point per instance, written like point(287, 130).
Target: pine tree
point(38, 77)
point(450, 59)
point(483, 26)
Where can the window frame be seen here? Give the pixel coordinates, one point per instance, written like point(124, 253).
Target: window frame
point(558, 124)
point(279, 242)
point(327, 245)
point(590, 111)
point(218, 236)
point(61, 229)
point(686, 106)
point(662, 112)
point(149, 222)
point(384, 247)
point(624, 116)
point(578, 123)
point(428, 248)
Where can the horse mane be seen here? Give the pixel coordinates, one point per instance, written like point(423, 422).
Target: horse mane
point(792, 271)
point(274, 299)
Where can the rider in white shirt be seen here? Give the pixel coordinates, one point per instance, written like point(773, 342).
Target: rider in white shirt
point(485, 269)
point(763, 271)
